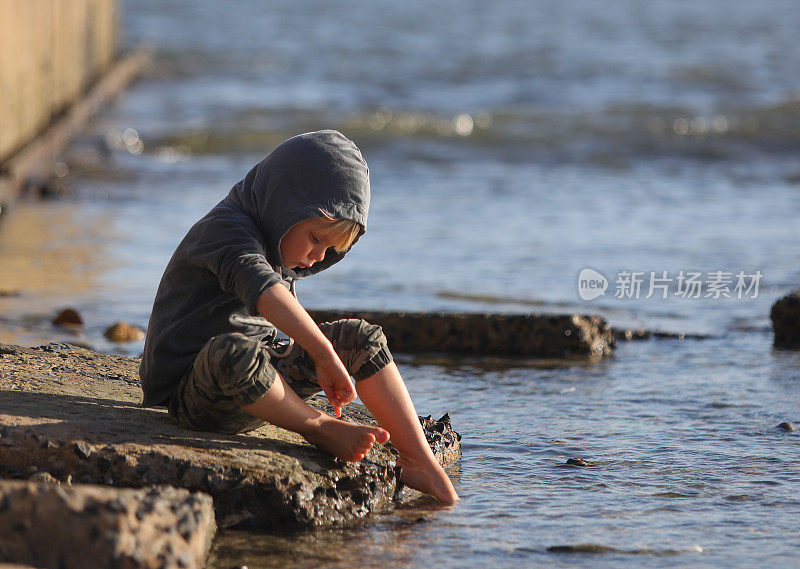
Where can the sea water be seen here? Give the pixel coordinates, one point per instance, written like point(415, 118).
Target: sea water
point(511, 146)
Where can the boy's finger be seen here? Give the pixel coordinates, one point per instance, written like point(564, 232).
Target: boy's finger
point(345, 397)
point(330, 393)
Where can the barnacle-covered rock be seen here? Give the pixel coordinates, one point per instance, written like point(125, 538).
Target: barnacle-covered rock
point(530, 335)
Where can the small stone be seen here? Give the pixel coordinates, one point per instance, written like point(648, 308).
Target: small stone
point(124, 332)
point(69, 318)
point(83, 450)
point(786, 426)
point(44, 478)
point(579, 462)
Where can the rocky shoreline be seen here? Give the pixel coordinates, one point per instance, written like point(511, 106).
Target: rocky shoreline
point(71, 418)
point(121, 485)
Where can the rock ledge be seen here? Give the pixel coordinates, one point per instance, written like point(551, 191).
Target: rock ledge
point(73, 415)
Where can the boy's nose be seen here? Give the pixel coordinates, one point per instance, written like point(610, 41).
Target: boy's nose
point(316, 255)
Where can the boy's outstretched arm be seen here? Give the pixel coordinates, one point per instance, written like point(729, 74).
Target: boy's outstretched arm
point(283, 310)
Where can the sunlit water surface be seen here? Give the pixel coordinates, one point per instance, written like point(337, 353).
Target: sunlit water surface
point(510, 146)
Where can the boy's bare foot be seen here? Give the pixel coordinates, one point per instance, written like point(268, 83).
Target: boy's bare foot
point(347, 441)
point(427, 477)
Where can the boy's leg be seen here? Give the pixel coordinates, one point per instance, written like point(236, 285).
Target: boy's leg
point(232, 387)
point(363, 349)
point(385, 395)
point(282, 407)
point(231, 369)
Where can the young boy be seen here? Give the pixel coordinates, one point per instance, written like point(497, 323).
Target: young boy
point(211, 355)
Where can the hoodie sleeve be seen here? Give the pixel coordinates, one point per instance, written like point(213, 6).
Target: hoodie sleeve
point(232, 249)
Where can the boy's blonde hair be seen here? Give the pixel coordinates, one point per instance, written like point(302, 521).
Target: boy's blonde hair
point(341, 231)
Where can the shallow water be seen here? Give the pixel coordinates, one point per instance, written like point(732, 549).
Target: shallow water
point(689, 467)
point(510, 146)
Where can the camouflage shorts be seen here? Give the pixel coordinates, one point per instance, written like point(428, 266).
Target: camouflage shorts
point(232, 370)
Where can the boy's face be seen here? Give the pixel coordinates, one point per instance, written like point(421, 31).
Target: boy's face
point(304, 244)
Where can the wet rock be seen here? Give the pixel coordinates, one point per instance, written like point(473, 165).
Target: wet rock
point(785, 316)
point(579, 462)
point(786, 426)
point(68, 318)
point(443, 440)
point(267, 478)
point(92, 526)
point(534, 335)
point(124, 332)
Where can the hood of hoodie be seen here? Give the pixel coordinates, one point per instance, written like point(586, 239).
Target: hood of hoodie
point(307, 176)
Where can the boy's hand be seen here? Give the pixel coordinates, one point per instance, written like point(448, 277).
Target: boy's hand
point(335, 382)
point(277, 305)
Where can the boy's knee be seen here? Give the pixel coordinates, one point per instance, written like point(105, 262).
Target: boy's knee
point(361, 346)
point(238, 366)
point(359, 334)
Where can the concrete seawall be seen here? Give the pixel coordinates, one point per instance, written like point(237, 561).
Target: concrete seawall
point(53, 50)
point(59, 65)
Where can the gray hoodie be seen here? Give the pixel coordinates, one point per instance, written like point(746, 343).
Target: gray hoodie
point(232, 255)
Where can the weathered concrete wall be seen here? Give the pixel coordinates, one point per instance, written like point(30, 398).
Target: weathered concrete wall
point(51, 51)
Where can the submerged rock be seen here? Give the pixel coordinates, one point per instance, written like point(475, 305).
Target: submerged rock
point(630, 334)
point(123, 332)
point(785, 316)
point(75, 414)
point(74, 527)
point(579, 462)
point(535, 335)
point(68, 318)
point(633, 334)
